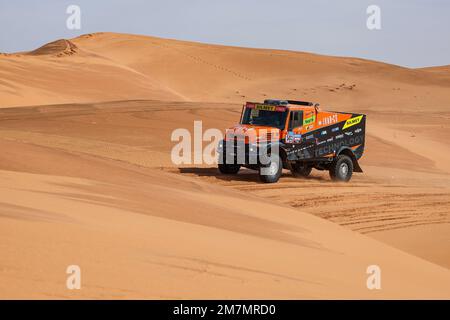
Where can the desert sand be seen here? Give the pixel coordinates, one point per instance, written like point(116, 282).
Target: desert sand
point(86, 176)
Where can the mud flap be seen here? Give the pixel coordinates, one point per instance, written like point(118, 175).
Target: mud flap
point(356, 166)
point(347, 151)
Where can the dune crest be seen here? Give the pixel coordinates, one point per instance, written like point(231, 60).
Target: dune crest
point(57, 48)
point(189, 71)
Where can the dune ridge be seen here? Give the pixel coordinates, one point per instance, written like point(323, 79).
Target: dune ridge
point(58, 48)
point(188, 71)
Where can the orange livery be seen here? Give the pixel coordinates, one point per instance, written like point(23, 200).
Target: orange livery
point(295, 135)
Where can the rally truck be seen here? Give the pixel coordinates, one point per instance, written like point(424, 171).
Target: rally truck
point(294, 135)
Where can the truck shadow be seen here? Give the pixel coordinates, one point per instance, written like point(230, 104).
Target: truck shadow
point(245, 175)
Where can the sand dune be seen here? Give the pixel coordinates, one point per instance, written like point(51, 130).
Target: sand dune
point(89, 180)
point(437, 69)
point(85, 181)
point(162, 251)
point(56, 48)
point(110, 66)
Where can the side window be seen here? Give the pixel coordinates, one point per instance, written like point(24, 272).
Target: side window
point(296, 120)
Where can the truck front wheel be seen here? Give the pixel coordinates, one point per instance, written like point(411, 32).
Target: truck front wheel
point(341, 169)
point(229, 168)
point(272, 172)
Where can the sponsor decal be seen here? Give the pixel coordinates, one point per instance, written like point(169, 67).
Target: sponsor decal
point(289, 137)
point(329, 120)
point(337, 145)
point(309, 127)
point(309, 137)
point(309, 120)
point(349, 133)
point(324, 132)
point(321, 142)
point(303, 154)
point(335, 129)
point(358, 130)
point(352, 122)
point(339, 136)
point(330, 139)
point(265, 107)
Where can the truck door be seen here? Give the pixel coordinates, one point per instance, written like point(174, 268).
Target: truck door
point(295, 126)
point(299, 143)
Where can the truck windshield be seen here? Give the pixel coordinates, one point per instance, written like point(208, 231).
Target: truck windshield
point(266, 118)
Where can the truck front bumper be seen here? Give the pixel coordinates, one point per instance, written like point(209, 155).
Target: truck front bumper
point(242, 154)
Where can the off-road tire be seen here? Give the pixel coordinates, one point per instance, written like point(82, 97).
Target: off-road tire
point(275, 175)
point(341, 169)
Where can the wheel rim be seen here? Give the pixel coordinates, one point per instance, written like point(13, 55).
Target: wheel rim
point(273, 168)
point(343, 169)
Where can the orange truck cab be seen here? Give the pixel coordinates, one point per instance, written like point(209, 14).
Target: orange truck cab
point(295, 135)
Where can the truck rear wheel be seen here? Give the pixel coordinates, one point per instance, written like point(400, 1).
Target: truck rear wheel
point(272, 172)
point(229, 168)
point(301, 170)
point(341, 169)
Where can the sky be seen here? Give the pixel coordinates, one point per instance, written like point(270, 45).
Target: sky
point(414, 33)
